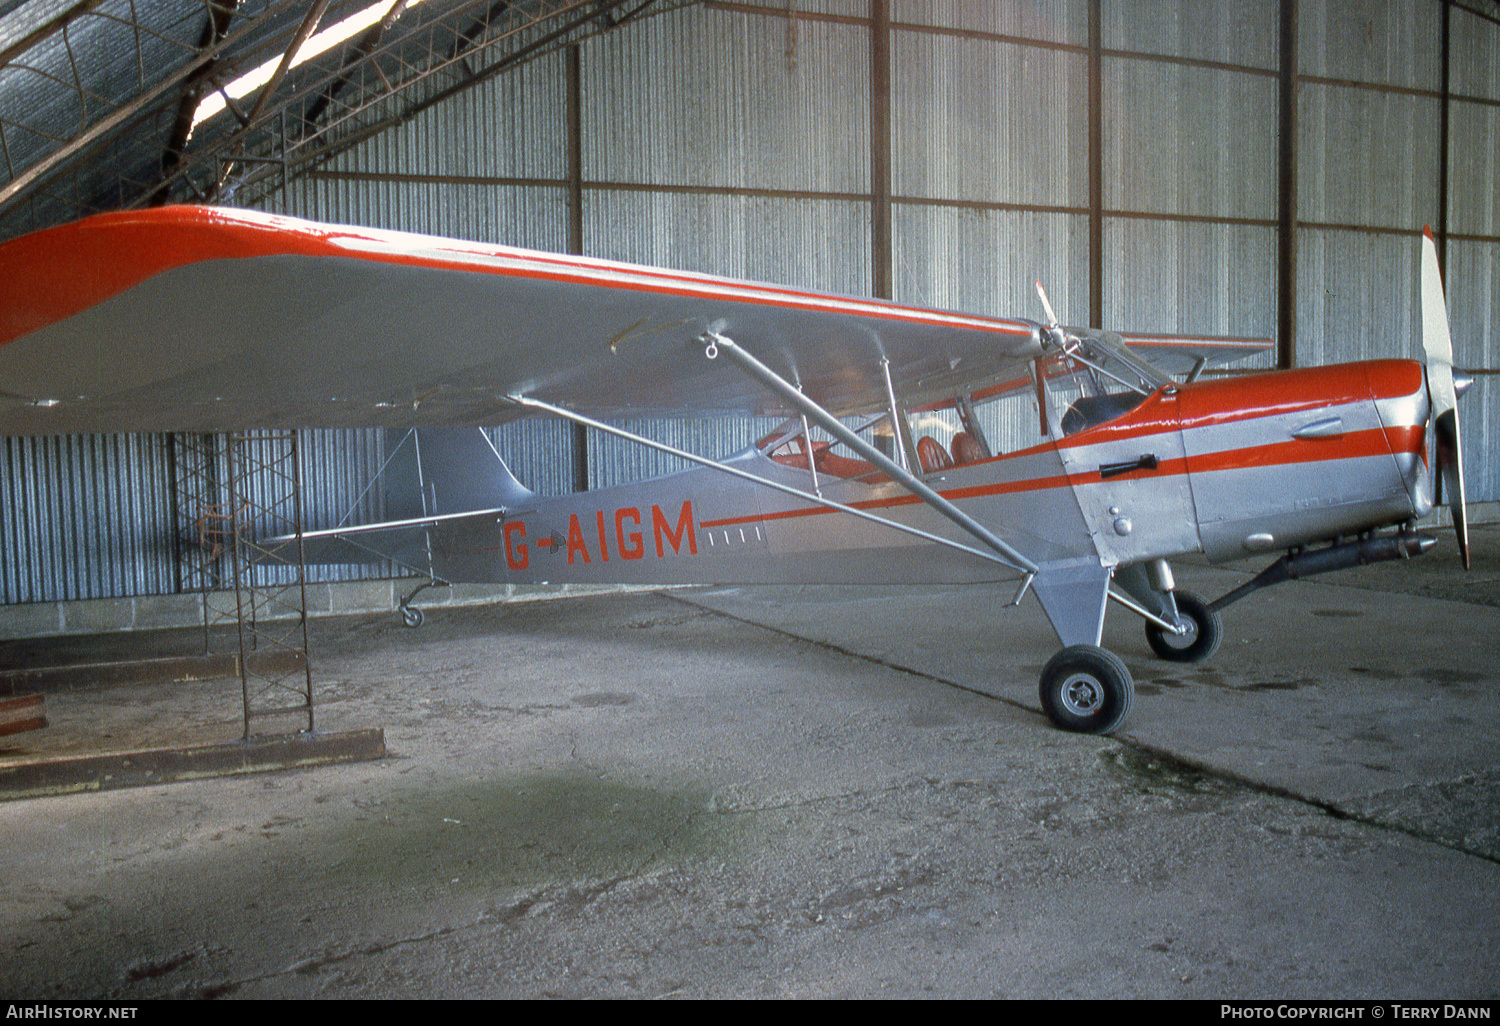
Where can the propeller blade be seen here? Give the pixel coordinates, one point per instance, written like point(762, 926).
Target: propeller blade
point(1451, 466)
point(1437, 344)
point(1051, 317)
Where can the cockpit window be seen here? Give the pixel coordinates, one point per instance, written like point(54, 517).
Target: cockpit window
point(789, 445)
point(1080, 382)
point(942, 436)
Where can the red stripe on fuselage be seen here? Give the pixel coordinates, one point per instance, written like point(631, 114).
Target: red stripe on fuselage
point(1356, 445)
point(1230, 400)
point(1211, 404)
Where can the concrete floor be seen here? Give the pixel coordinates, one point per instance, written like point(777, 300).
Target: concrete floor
point(804, 793)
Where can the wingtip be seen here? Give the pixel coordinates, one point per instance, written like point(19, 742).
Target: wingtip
point(1427, 231)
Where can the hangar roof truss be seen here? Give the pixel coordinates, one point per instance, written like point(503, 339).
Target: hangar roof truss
point(98, 97)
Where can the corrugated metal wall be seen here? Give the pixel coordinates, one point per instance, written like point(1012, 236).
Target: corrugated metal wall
point(1473, 219)
point(736, 139)
point(1189, 97)
point(85, 517)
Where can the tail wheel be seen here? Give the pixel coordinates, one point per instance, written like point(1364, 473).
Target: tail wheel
point(1205, 631)
point(1086, 689)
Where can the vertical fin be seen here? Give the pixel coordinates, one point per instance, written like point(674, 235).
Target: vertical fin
point(437, 471)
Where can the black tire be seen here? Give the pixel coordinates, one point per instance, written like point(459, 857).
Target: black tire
point(1087, 690)
point(413, 617)
point(1201, 640)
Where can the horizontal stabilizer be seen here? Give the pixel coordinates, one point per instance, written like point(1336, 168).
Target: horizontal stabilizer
point(430, 476)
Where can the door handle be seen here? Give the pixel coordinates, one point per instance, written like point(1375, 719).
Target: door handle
point(1146, 461)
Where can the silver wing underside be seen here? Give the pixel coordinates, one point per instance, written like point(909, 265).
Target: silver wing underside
point(209, 319)
point(195, 319)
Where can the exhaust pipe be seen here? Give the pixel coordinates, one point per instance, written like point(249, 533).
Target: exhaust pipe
point(1296, 565)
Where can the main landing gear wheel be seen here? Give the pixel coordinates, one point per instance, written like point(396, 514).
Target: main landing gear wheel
point(1205, 631)
point(413, 617)
point(1086, 689)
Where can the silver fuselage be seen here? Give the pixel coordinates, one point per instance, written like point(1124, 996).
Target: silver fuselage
point(1237, 466)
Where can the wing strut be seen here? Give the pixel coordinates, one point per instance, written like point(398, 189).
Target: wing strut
point(578, 418)
point(713, 344)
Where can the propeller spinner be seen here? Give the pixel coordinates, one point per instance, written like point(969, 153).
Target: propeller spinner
point(1438, 346)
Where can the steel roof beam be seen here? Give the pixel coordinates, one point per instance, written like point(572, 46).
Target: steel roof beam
point(236, 143)
point(51, 28)
point(284, 153)
point(215, 28)
point(122, 114)
point(365, 46)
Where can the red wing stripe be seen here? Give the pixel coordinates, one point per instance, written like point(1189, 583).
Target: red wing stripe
point(56, 273)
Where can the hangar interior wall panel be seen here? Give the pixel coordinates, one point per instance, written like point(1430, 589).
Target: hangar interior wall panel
point(1201, 30)
point(1475, 315)
point(533, 216)
point(987, 261)
point(1196, 276)
point(1390, 42)
point(812, 243)
point(983, 120)
point(798, 11)
point(1359, 295)
point(83, 517)
point(1370, 157)
point(986, 110)
point(1188, 140)
point(1050, 21)
point(718, 99)
point(1189, 125)
point(1475, 44)
point(1474, 244)
point(510, 126)
point(1474, 169)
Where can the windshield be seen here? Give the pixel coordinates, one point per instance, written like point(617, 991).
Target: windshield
point(1093, 379)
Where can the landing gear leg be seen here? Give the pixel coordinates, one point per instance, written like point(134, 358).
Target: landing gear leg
point(1199, 629)
point(1084, 688)
point(410, 614)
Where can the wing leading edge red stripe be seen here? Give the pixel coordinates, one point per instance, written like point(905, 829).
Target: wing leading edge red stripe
point(54, 274)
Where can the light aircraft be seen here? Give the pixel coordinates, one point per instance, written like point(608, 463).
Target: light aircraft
point(887, 467)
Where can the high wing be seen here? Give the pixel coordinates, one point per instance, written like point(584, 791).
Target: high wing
point(1185, 355)
point(200, 319)
point(190, 318)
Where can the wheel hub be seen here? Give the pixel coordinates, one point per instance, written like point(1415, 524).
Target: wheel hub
point(1082, 694)
point(1187, 636)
